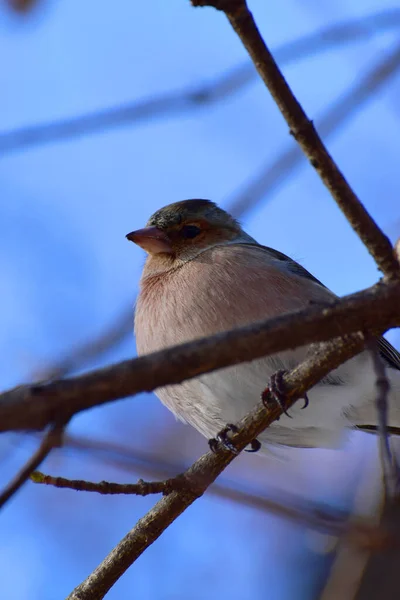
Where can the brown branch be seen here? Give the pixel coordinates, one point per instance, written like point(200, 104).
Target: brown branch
point(380, 577)
point(185, 100)
point(141, 488)
point(153, 466)
point(51, 439)
point(303, 130)
point(328, 123)
point(205, 470)
point(323, 519)
point(34, 407)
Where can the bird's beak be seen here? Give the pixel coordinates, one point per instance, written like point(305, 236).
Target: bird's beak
point(151, 239)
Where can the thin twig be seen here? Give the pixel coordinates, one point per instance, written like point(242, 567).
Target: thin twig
point(285, 504)
point(35, 406)
point(323, 519)
point(389, 468)
point(181, 101)
point(86, 352)
point(141, 488)
point(304, 132)
point(51, 439)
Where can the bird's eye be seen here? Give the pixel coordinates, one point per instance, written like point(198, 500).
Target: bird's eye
point(190, 231)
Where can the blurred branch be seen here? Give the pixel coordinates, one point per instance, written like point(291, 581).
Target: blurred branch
point(350, 561)
point(360, 531)
point(82, 354)
point(51, 439)
point(304, 132)
point(206, 469)
point(380, 578)
point(135, 460)
point(185, 100)
point(257, 190)
point(30, 407)
point(21, 6)
point(389, 467)
point(336, 115)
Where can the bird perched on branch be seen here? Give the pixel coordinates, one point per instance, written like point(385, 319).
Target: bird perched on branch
point(204, 274)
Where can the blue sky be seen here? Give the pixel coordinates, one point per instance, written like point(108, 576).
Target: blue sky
point(67, 270)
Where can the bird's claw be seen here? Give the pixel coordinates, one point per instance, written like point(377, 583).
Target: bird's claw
point(277, 391)
point(223, 438)
point(255, 446)
point(306, 401)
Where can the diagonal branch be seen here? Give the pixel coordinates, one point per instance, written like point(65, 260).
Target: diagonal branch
point(36, 406)
point(50, 440)
point(185, 100)
point(328, 123)
point(303, 130)
point(319, 517)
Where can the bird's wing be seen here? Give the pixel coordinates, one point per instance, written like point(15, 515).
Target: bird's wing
point(291, 264)
point(387, 351)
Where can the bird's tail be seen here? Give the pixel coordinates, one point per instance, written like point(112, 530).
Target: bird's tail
point(368, 418)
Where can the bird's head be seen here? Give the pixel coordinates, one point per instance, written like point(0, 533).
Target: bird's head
point(183, 230)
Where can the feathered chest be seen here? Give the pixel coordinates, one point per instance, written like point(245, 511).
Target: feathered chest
point(222, 288)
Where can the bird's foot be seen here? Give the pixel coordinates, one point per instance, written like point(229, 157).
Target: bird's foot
point(255, 446)
point(275, 393)
point(223, 438)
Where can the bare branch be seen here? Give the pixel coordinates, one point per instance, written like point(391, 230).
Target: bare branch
point(88, 351)
point(51, 439)
point(304, 132)
point(324, 519)
point(206, 469)
point(336, 115)
point(185, 100)
point(141, 488)
point(34, 407)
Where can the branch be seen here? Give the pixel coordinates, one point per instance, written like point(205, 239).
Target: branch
point(328, 521)
point(36, 406)
point(336, 114)
point(50, 440)
point(88, 351)
point(205, 470)
point(305, 134)
point(389, 467)
point(141, 488)
point(186, 100)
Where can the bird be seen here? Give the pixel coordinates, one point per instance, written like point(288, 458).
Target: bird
point(204, 274)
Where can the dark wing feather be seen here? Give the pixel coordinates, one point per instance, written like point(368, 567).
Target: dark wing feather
point(292, 265)
point(387, 351)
